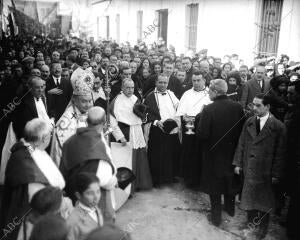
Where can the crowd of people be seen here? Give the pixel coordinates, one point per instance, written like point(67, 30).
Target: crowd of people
point(72, 109)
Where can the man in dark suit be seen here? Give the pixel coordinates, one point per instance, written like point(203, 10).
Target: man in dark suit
point(258, 84)
point(218, 130)
point(32, 105)
point(174, 84)
point(59, 91)
point(188, 67)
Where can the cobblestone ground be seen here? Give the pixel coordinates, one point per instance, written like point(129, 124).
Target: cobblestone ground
point(176, 213)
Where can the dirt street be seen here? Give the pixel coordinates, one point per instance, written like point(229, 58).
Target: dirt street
point(176, 213)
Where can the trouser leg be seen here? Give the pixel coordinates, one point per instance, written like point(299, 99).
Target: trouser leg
point(229, 202)
point(264, 224)
point(216, 209)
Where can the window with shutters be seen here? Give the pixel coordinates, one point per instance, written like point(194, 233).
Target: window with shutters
point(98, 27)
point(191, 24)
point(118, 28)
point(162, 29)
point(139, 24)
point(269, 27)
point(107, 27)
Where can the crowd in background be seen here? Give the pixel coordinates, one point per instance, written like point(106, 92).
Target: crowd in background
point(23, 59)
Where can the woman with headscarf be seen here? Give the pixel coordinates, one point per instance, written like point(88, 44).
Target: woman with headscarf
point(279, 105)
point(234, 86)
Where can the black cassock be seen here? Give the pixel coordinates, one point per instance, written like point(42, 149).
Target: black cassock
point(20, 171)
point(190, 158)
point(163, 148)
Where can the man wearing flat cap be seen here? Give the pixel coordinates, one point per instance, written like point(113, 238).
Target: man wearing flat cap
point(28, 66)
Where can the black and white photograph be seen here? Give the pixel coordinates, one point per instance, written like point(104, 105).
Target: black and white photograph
point(149, 119)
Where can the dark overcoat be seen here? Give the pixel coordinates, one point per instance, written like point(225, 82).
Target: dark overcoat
point(219, 128)
point(261, 157)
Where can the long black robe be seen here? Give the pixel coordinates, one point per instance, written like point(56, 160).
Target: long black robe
point(163, 149)
point(20, 171)
point(218, 131)
point(190, 158)
point(82, 153)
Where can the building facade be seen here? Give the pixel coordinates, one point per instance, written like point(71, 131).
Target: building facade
point(244, 27)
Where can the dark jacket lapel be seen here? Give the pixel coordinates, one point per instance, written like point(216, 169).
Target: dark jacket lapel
point(31, 105)
point(251, 128)
point(256, 85)
point(153, 108)
point(266, 130)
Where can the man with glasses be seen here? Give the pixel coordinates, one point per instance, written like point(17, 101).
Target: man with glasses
point(94, 66)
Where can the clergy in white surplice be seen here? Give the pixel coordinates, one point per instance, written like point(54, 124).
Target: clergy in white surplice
point(190, 105)
point(130, 123)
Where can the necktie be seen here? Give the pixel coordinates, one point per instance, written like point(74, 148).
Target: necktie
point(257, 123)
point(44, 101)
point(163, 93)
point(259, 82)
point(57, 82)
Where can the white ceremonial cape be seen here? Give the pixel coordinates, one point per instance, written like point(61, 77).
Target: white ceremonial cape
point(65, 127)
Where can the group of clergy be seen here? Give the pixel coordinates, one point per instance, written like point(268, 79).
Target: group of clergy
point(146, 138)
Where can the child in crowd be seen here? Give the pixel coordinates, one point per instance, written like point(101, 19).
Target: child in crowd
point(51, 227)
point(86, 215)
point(47, 201)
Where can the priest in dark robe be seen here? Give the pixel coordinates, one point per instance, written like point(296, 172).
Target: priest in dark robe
point(163, 144)
point(28, 170)
point(88, 151)
point(191, 104)
point(219, 128)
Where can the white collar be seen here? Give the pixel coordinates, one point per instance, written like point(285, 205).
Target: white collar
point(156, 91)
point(86, 208)
point(264, 117)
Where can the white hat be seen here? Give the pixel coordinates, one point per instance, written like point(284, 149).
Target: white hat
point(82, 82)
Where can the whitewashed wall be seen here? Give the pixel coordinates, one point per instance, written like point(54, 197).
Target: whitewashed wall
point(224, 27)
point(289, 40)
